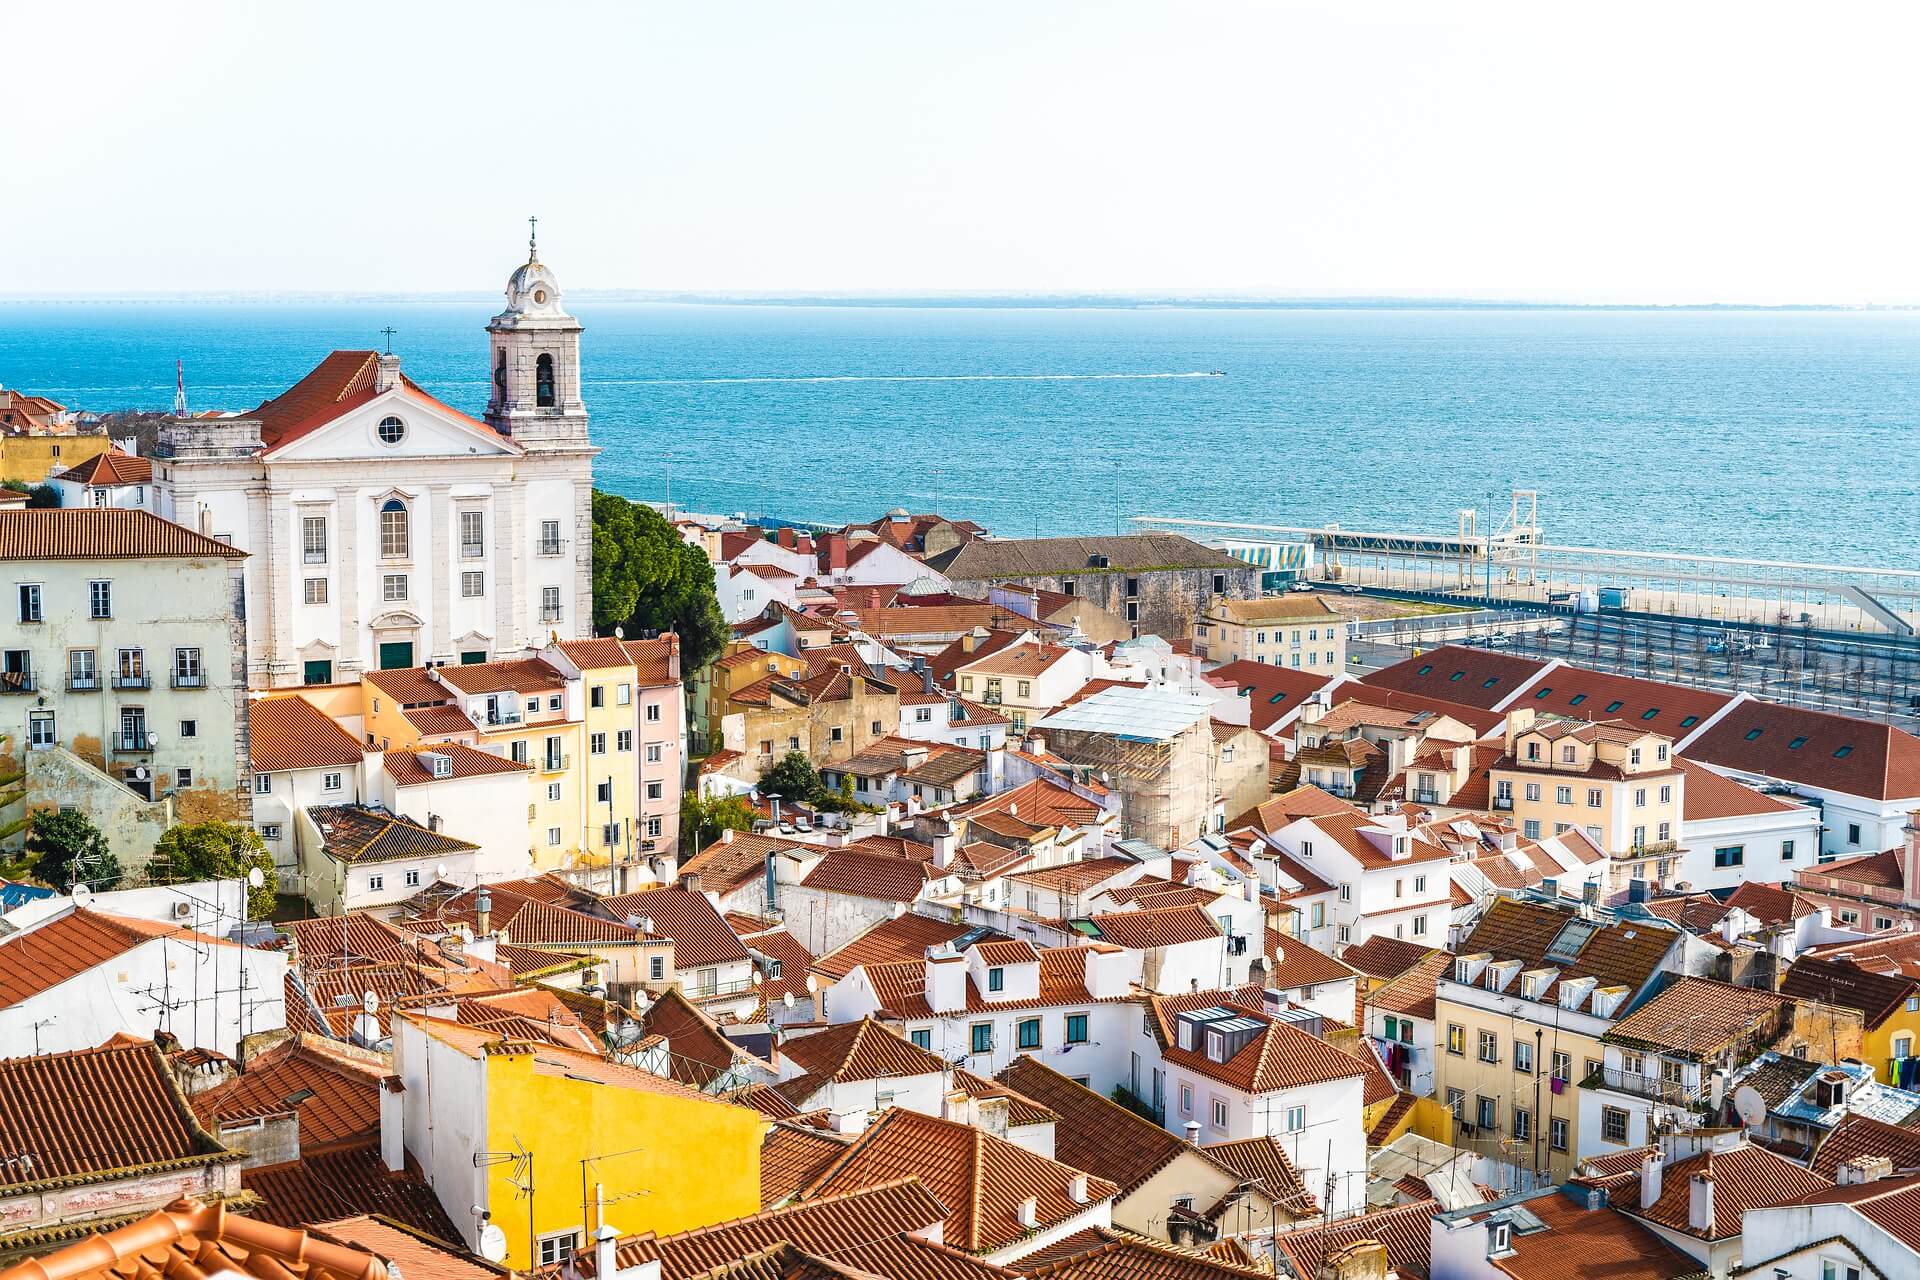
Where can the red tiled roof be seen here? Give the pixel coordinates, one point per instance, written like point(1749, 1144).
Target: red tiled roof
point(1404, 1230)
point(1709, 795)
point(901, 986)
point(108, 470)
point(1381, 956)
point(94, 1113)
point(791, 1156)
point(1041, 800)
point(981, 1179)
point(1857, 1136)
point(1476, 677)
point(516, 675)
point(292, 733)
point(1625, 953)
point(1272, 692)
point(407, 770)
point(1650, 705)
point(1412, 993)
point(189, 1237)
point(1265, 1161)
point(1292, 964)
point(1076, 877)
point(40, 958)
point(1746, 1177)
point(1131, 1257)
point(1817, 749)
point(1280, 1056)
point(1590, 1244)
point(411, 1251)
point(1157, 927)
point(1697, 1017)
point(341, 1181)
point(1893, 1204)
point(865, 875)
point(343, 1101)
point(1479, 719)
point(904, 937)
point(700, 936)
point(1093, 1132)
point(356, 834)
point(863, 1050)
point(1878, 996)
point(101, 533)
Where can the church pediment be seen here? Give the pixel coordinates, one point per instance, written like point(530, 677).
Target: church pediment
point(394, 426)
point(396, 620)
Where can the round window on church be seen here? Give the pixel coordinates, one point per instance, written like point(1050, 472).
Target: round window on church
point(540, 297)
point(392, 430)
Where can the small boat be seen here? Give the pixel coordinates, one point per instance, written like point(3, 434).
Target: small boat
point(1218, 373)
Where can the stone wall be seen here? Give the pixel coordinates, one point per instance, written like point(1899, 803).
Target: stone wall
point(1166, 600)
point(59, 779)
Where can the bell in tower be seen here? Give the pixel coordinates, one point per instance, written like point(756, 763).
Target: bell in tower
point(536, 361)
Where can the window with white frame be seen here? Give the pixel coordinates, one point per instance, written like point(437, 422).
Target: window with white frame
point(473, 534)
point(376, 883)
point(100, 599)
point(1296, 1119)
point(313, 539)
point(473, 584)
point(395, 542)
point(550, 604)
point(329, 782)
point(315, 590)
point(393, 586)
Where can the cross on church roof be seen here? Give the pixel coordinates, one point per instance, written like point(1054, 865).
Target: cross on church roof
point(389, 331)
point(533, 226)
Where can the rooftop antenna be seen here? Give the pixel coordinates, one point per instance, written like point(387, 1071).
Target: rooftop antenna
point(179, 388)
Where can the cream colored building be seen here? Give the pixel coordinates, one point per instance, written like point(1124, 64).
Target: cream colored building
point(1617, 783)
point(122, 672)
point(1532, 990)
point(1292, 630)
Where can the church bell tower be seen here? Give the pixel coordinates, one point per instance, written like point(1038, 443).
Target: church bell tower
point(535, 362)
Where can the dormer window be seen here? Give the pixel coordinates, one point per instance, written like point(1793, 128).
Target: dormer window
point(996, 979)
point(1533, 750)
point(1499, 1238)
point(1634, 755)
point(1567, 754)
point(1306, 848)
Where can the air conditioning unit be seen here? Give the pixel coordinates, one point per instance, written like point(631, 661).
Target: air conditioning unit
point(183, 911)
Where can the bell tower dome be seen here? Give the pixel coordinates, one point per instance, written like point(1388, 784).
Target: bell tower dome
point(535, 361)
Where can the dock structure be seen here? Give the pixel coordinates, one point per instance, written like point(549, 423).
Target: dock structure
point(1512, 564)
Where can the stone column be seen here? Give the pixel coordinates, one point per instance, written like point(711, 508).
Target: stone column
point(442, 562)
point(274, 577)
point(508, 564)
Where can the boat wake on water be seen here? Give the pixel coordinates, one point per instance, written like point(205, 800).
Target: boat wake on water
point(909, 377)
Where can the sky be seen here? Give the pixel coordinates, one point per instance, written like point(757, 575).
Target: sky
point(1643, 153)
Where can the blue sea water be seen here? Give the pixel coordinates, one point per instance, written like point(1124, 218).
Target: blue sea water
point(1791, 435)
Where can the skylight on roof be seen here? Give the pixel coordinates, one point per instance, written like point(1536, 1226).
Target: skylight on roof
point(1458, 675)
point(1424, 670)
point(1843, 753)
point(1687, 722)
point(1544, 692)
point(1576, 699)
point(1566, 945)
point(1489, 682)
point(1752, 734)
point(1797, 743)
point(1614, 706)
point(1650, 713)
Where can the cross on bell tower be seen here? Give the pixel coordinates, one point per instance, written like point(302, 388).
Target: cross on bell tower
point(535, 356)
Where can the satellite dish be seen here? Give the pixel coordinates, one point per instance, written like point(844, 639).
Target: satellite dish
point(756, 977)
point(1749, 1106)
point(619, 633)
point(254, 878)
point(82, 895)
point(370, 1002)
point(440, 871)
point(141, 772)
point(789, 999)
point(813, 984)
point(493, 1243)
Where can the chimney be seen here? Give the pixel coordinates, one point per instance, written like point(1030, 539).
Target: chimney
point(926, 679)
point(483, 913)
point(393, 1146)
point(1030, 1212)
point(1462, 764)
point(944, 844)
point(726, 835)
point(836, 553)
point(1077, 1189)
point(946, 981)
point(1106, 974)
point(386, 376)
point(605, 1256)
point(1361, 1260)
point(1700, 1203)
point(1910, 862)
point(1863, 1169)
point(690, 881)
point(1037, 743)
point(673, 655)
point(1193, 1132)
point(850, 1123)
point(1650, 1169)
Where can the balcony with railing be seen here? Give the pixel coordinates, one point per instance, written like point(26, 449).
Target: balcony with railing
point(556, 764)
point(82, 683)
point(1651, 1085)
point(17, 682)
point(189, 680)
point(1426, 795)
point(550, 546)
point(132, 680)
point(552, 615)
point(132, 742)
point(1503, 803)
point(1656, 849)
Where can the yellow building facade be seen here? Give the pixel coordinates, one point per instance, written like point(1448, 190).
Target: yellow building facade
point(32, 458)
point(539, 1127)
point(1293, 630)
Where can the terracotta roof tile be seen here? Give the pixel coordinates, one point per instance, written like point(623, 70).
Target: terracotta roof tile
point(902, 938)
point(1412, 993)
point(411, 1251)
point(1698, 1017)
point(1858, 757)
point(1626, 953)
point(700, 936)
point(863, 1050)
point(109, 470)
point(291, 733)
point(1857, 1135)
point(101, 533)
point(407, 769)
point(40, 958)
point(1590, 1244)
point(1158, 927)
point(1293, 964)
point(1878, 996)
point(870, 876)
point(1746, 1177)
point(356, 834)
point(1094, 1133)
point(1265, 1160)
point(1280, 1056)
point(1403, 1230)
point(189, 1237)
point(1381, 956)
point(343, 1101)
point(981, 1179)
point(1129, 1257)
point(343, 1180)
point(1042, 800)
point(1076, 877)
point(93, 1112)
point(791, 1156)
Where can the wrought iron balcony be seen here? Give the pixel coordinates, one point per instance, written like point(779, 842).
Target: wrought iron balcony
point(132, 742)
point(1649, 1085)
point(17, 682)
point(189, 680)
point(1504, 803)
point(1427, 796)
point(550, 546)
point(132, 680)
point(83, 684)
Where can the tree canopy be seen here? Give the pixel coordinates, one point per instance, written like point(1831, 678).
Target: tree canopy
point(65, 849)
point(702, 820)
point(647, 579)
point(216, 851)
point(792, 777)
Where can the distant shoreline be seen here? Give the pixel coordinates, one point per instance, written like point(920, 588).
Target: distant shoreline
point(934, 301)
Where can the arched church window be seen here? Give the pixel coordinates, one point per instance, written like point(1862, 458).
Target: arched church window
point(392, 430)
point(393, 528)
point(500, 377)
point(543, 382)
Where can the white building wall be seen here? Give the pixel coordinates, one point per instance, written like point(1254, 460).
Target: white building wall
point(1761, 839)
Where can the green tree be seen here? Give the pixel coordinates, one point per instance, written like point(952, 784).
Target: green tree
point(65, 849)
point(39, 493)
point(647, 578)
point(216, 851)
point(792, 778)
point(702, 820)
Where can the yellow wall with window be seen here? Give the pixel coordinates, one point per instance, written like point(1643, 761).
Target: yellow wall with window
point(1458, 1064)
point(611, 767)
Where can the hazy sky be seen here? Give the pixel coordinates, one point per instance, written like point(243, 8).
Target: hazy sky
point(1618, 152)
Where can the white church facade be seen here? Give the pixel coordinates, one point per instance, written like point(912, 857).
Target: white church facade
point(384, 528)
